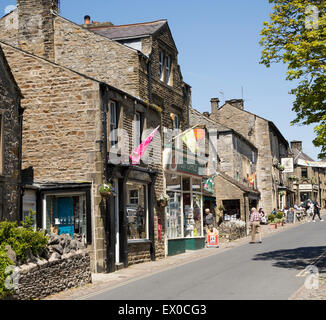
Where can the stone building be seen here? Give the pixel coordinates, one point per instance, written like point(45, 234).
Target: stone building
point(309, 176)
point(64, 141)
point(11, 116)
point(273, 185)
point(237, 162)
point(148, 70)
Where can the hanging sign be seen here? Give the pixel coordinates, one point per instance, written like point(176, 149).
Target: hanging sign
point(287, 163)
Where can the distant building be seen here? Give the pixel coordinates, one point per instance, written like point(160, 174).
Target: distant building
point(273, 185)
point(310, 182)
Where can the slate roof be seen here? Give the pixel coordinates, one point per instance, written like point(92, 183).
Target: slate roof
point(137, 30)
point(300, 155)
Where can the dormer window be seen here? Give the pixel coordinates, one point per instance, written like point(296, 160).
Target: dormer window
point(165, 68)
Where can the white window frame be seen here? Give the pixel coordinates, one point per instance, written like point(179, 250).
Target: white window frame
point(162, 59)
point(113, 123)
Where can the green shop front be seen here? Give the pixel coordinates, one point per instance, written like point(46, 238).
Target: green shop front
point(184, 212)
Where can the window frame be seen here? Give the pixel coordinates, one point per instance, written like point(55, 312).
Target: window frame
point(113, 124)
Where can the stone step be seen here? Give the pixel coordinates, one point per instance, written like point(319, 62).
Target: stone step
point(119, 266)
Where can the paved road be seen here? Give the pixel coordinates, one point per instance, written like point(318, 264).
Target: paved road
point(260, 271)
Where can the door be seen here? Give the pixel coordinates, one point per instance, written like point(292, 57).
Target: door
point(64, 214)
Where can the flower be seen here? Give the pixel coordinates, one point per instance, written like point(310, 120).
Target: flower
point(164, 197)
point(105, 188)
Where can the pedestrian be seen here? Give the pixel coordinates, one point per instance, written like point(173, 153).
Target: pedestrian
point(263, 217)
point(255, 219)
point(274, 211)
point(209, 220)
point(316, 211)
point(310, 210)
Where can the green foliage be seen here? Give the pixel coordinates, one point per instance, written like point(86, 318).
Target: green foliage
point(279, 215)
point(289, 39)
point(22, 238)
point(4, 263)
point(271, 218)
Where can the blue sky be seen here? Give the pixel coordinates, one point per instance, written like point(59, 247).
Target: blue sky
point(219, 52)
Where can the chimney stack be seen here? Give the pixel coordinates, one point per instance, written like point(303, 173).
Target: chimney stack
point(87, 19)
point(36, 27)
point(214, 104)
point(296, 145)
point(238, 103)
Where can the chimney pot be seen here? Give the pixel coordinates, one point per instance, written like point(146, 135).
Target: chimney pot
point(87, 19)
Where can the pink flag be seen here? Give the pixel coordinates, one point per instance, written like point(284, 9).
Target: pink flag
point(140, 150)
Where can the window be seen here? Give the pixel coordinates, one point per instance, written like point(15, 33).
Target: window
point(161, 65)
point(137, 214)
point(165, 63)
point(113, 123)
point(133, 196)
point(304, 172)
point(167, 69)
point(139, 128)
point(176, 123)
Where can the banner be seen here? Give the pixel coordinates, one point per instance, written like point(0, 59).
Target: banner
point(307, 163)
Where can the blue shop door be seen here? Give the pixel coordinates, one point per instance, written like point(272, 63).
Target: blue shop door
point(64, 212)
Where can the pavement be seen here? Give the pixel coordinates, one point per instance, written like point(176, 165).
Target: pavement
point(112, 282)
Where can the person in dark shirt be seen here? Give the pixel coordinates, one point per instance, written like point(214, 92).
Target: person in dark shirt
point(316, 211)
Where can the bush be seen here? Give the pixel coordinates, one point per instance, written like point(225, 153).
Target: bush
point(22, 238)
point(279, 215)
point(271, 218)
point(4, 263)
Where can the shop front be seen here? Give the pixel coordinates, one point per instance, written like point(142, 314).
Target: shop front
point(184, 212)
point(60, 208)
point(130, 216)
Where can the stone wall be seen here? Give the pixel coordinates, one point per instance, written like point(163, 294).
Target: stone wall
point(138, 253)
point(10, 136)
point(35, 21)
point(38, 280)
point(96, 56)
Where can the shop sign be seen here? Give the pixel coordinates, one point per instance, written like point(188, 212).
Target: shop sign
point(305, 186)
point(307, 163)
point(315, 187)
point(287, 163)
point(212, 240)
point(182, 163)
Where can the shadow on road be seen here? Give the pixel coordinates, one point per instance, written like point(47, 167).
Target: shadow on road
point(298, 258)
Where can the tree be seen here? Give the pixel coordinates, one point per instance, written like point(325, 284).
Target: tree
point(296, 36)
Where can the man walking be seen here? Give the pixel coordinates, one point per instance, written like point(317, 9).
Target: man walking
point(209, 220)
point(255, 219)
point(316, 211)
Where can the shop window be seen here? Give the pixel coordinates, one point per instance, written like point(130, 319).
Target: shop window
point(66, 214)
point(173, 182)
point(174, 219)
point(186, 184)
point(232, 209)
point(196, 185)
point(133, 196)
point(137, 211)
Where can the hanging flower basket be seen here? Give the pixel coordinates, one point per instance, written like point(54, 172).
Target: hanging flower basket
point(106, 190)
point(163, 201)
point(293, 178)
point(279, 167)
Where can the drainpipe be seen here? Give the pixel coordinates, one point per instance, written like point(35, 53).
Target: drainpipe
point(20, 182)
point(150, 80)
point(110, 216)
point(188, 106)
